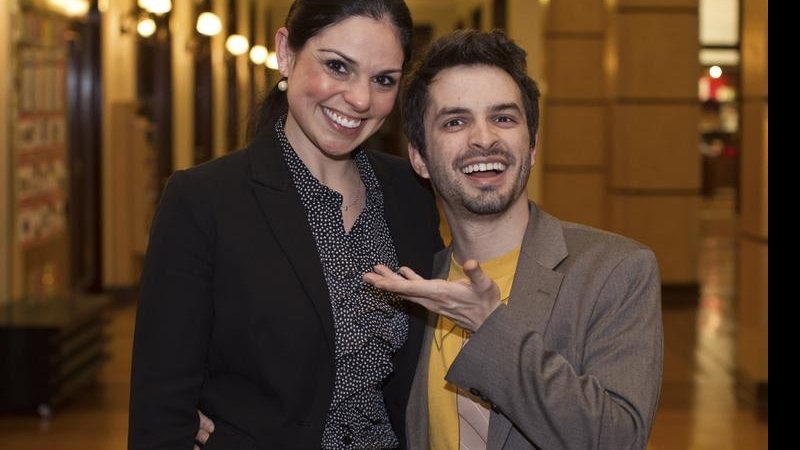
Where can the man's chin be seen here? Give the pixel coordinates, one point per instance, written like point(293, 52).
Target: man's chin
point(487, 206)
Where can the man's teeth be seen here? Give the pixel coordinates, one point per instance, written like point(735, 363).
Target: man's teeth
point(484, 167)
point(342, 120)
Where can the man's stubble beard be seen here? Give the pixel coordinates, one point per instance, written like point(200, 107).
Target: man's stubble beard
point(489, 201)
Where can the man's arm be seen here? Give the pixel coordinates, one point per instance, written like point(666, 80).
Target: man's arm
point(466, 302)
point(610, 404)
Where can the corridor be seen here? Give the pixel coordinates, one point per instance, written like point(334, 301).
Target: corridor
point(699, 409)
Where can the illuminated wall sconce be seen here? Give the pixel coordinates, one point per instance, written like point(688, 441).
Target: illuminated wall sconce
point(259, 54)
point(146, 26)
point(71, 8)
point(141, 21)
point(237, 44)
point(208, 24)
point(156, 6)
point(272, 61)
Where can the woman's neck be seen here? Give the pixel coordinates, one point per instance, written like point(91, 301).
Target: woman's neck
point(334, 171)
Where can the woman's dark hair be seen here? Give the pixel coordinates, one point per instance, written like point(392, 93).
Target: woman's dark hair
point(468, 48)
point(307, 18)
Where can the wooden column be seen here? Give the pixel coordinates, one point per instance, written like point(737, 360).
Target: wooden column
point(182, 21)
point(573, 146)
point(654, 159)
point(219, 81)
point(753, 276)
point(5, 151)
point(119, 87)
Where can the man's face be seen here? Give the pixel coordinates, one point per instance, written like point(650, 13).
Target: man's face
point(479, 149)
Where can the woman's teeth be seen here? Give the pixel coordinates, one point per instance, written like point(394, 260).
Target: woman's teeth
point(342, 120)
point(484, 167)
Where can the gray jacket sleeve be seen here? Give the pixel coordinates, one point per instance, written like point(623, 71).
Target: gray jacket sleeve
point(606, 400)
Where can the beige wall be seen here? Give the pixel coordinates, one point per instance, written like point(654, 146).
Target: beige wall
point(655, 166)
point(182, 28)
point(439, 15)
point(5, 150)
point(443, 15)
point(525, 24)
point(219, 81)
point(575, 112)
point(259, 72)
point(243, 73)
point(118, 55)
point(753, 305)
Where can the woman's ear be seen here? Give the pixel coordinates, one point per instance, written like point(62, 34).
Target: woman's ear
point(418, 162)
point(284, 53)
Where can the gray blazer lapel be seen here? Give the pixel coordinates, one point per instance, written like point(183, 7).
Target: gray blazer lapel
point(417, 409)
point(536, 284)
point(534, 291)
point(284, 212)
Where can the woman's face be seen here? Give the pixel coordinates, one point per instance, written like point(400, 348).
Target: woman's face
point(342, 85)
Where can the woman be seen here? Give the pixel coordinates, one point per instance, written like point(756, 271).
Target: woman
point(252, 307)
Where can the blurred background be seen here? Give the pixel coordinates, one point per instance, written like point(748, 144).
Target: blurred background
point(654, 125)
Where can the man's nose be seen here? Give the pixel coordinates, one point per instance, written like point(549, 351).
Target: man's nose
point(483, 135)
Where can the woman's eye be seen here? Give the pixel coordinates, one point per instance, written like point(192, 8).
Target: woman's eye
point(385, 80)
point(336, 66)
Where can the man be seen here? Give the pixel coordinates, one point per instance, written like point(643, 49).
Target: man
point(548, 334)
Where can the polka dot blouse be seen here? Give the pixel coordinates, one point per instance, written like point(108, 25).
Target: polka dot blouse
point(370, 325)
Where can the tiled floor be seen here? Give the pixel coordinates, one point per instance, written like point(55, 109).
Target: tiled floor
point(698, 410)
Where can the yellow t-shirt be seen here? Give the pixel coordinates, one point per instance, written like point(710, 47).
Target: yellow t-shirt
point(448, 339)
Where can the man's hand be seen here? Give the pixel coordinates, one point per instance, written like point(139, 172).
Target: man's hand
point(466, 302)
point(204, 431)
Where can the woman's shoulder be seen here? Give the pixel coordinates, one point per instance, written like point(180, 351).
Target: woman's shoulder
point(225, 171)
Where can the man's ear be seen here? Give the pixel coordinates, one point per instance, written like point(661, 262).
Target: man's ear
point(418, 162)
point(284, 53)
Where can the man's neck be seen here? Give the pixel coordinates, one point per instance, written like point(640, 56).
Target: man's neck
point(485, 237)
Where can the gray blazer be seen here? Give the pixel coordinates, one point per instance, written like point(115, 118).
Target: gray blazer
point(574, 360)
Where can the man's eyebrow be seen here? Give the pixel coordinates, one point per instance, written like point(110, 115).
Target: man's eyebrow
point(506, 107)
point(455, 110)
point(449, 111)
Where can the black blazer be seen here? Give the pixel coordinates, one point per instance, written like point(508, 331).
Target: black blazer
point(234, 316)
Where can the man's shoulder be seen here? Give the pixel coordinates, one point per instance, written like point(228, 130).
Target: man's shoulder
point(584, 241)
point(581, 234)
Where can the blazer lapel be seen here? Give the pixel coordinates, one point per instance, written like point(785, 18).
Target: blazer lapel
point(417, 409)
point(534, 290)
point(286, 217)
point(536, 284)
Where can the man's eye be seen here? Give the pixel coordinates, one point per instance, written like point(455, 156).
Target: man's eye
point(453, 123)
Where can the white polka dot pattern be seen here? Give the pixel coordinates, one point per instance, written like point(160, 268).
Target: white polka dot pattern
point(370, 325)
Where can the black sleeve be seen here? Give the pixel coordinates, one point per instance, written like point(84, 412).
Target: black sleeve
point(173, 322)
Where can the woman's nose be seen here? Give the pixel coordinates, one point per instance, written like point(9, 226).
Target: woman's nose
point(358, 95)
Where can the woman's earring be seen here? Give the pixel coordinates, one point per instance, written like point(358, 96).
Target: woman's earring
point(283, 85)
